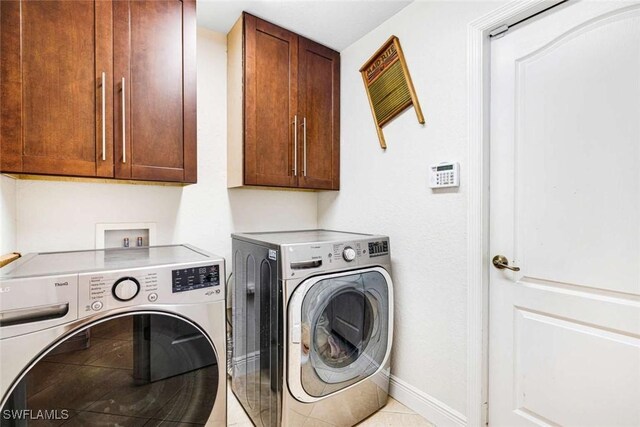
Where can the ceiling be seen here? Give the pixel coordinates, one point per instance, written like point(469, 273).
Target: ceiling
point(333, 23)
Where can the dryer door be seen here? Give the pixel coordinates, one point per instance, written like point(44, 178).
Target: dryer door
point(148, 368)
point(340, 331)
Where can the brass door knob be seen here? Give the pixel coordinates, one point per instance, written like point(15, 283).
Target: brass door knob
point(501, 262)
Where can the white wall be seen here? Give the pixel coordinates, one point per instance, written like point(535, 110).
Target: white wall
point(387, 192)
point(54, 215)
point(208, 212)
point(7, 215)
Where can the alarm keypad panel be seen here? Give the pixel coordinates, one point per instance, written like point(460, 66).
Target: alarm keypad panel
point(445, 175)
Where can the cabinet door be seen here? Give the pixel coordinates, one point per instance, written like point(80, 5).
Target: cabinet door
point(319, 94)
point(56, 115)
point(155, 90)
point(270, 104)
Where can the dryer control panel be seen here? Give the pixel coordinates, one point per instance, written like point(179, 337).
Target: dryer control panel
point(378, 248)
point(177, 284)
point(306, 259)
point(189, 279)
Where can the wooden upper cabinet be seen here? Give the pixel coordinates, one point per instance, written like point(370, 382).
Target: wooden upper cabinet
point(319, 106)
point(58, 118)
point(283, 108)
point(53, 56)
point(270, 103)
point(155, 90)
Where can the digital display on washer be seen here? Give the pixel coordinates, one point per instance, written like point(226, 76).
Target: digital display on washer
point(189, 279)
point(378, 248)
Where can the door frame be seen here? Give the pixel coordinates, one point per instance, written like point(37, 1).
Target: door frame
point(478, 112)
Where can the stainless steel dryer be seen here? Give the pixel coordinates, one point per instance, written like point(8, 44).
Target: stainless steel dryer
point(312, 326)
point(113, 337)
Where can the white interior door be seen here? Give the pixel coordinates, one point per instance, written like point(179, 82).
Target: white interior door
point(564, 333)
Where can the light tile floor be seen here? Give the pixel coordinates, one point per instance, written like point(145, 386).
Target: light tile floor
point(393, 414)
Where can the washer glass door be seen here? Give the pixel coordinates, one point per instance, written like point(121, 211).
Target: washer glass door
point(141, 369)
point(344, 331)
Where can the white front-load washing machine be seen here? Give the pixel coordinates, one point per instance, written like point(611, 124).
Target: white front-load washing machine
point(312, 326)
point(126, 337)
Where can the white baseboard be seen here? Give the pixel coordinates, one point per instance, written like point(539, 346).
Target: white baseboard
point(427, 406)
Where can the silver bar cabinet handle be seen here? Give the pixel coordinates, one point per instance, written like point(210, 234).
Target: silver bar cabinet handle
point(304, 140)
point(295, 145)
point(104, 116)
point(124, 127)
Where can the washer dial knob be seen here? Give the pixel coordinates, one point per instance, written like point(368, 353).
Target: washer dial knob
point(125, 289)
point(349, 254)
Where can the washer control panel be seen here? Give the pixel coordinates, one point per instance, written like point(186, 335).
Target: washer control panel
point(125, 288)
point(378, 248)
point(349, 254)
point(195, 282)
point(345, 252)
point(307, 259)
point(188, 279)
